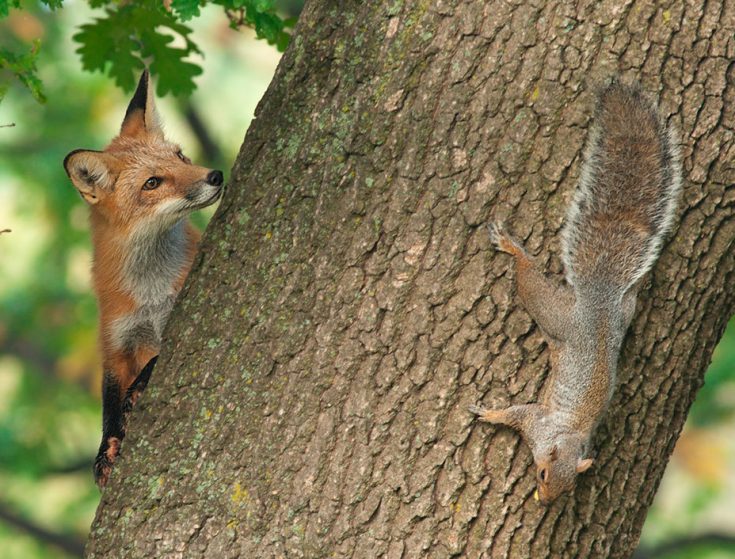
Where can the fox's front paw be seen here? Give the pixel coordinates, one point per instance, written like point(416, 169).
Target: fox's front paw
point(136, 389)
point(485, 414)
point(502, 240)
point(109, 450)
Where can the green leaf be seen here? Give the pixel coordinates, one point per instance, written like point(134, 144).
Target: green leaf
point(136, 32)
point(175, 75)
point(5, 6)
point(262, 16)
point(186, 9)
point(53, 4)
point(110, 41)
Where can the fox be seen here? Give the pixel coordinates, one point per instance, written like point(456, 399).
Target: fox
point(140, 190)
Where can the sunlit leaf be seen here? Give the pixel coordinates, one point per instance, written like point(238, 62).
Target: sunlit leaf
point(23, 67)
point(187, 9)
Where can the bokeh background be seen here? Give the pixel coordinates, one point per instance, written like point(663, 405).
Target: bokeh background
point(49, 365)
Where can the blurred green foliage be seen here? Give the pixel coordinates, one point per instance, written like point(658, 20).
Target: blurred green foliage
point(22, 66)
point(132, 34)
point(716, 399)
point(50, 416)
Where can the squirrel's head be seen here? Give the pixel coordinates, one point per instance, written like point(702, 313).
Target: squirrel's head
point(557, 469)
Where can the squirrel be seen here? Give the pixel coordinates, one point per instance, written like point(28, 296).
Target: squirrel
point(621, 212)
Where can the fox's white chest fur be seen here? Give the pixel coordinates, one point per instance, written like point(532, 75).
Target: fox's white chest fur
point(154, 263)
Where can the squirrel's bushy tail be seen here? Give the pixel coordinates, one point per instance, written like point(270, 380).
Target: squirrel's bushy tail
point(627, 195)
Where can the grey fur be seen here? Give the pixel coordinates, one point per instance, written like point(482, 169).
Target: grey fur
point(142, 328)
point(154, 261)
point(626, 116)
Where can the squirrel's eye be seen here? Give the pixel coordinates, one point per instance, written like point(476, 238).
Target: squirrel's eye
point(152, 183)
point(543, 475)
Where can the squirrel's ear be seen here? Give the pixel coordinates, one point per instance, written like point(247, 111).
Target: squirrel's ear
point(554, 454)
point(141, 116)
point(584, 464)
point(91, 172)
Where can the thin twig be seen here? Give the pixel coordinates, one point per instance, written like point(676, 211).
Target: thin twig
point(5, 231)
point(11, 125)
point(236, 17)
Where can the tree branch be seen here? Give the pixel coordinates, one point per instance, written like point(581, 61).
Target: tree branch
point(210, 148)
point(36, 357)
point(709, 538)
point(81, 465)
point(69, 544)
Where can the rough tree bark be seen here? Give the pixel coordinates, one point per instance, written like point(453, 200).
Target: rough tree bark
point(311, 398)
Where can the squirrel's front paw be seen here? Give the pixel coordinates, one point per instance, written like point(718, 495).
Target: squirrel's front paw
point(502, 240)
point(109, 450)
point(485, 414)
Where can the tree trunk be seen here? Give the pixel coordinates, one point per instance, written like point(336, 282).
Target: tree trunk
point(311, 396)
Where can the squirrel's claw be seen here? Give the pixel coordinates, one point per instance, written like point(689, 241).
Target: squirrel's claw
point(488, 415)
point(502, 240)
point(477, 410)
point(496, 231)
point(514, 416)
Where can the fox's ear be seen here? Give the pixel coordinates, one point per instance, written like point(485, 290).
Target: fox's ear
point(141, 116)
point(91, 172)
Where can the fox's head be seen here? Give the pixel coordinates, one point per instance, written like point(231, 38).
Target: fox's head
point(141, 179)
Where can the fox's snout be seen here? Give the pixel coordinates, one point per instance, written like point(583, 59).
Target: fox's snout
point(203, 194)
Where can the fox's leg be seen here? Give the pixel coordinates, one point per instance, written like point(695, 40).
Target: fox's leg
point(112, 427)
point(549, 303)
point(136, 389)
point(119, 395)
point(517, 417)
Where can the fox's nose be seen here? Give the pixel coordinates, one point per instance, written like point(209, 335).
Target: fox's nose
point(215, 178)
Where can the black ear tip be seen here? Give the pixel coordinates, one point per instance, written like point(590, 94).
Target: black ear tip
point(67, 158)
point(140, 95)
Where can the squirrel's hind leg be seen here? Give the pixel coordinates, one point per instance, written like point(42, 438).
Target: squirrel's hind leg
point(548, 302)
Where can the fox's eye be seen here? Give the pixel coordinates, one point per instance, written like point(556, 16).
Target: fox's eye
point(152, 183)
